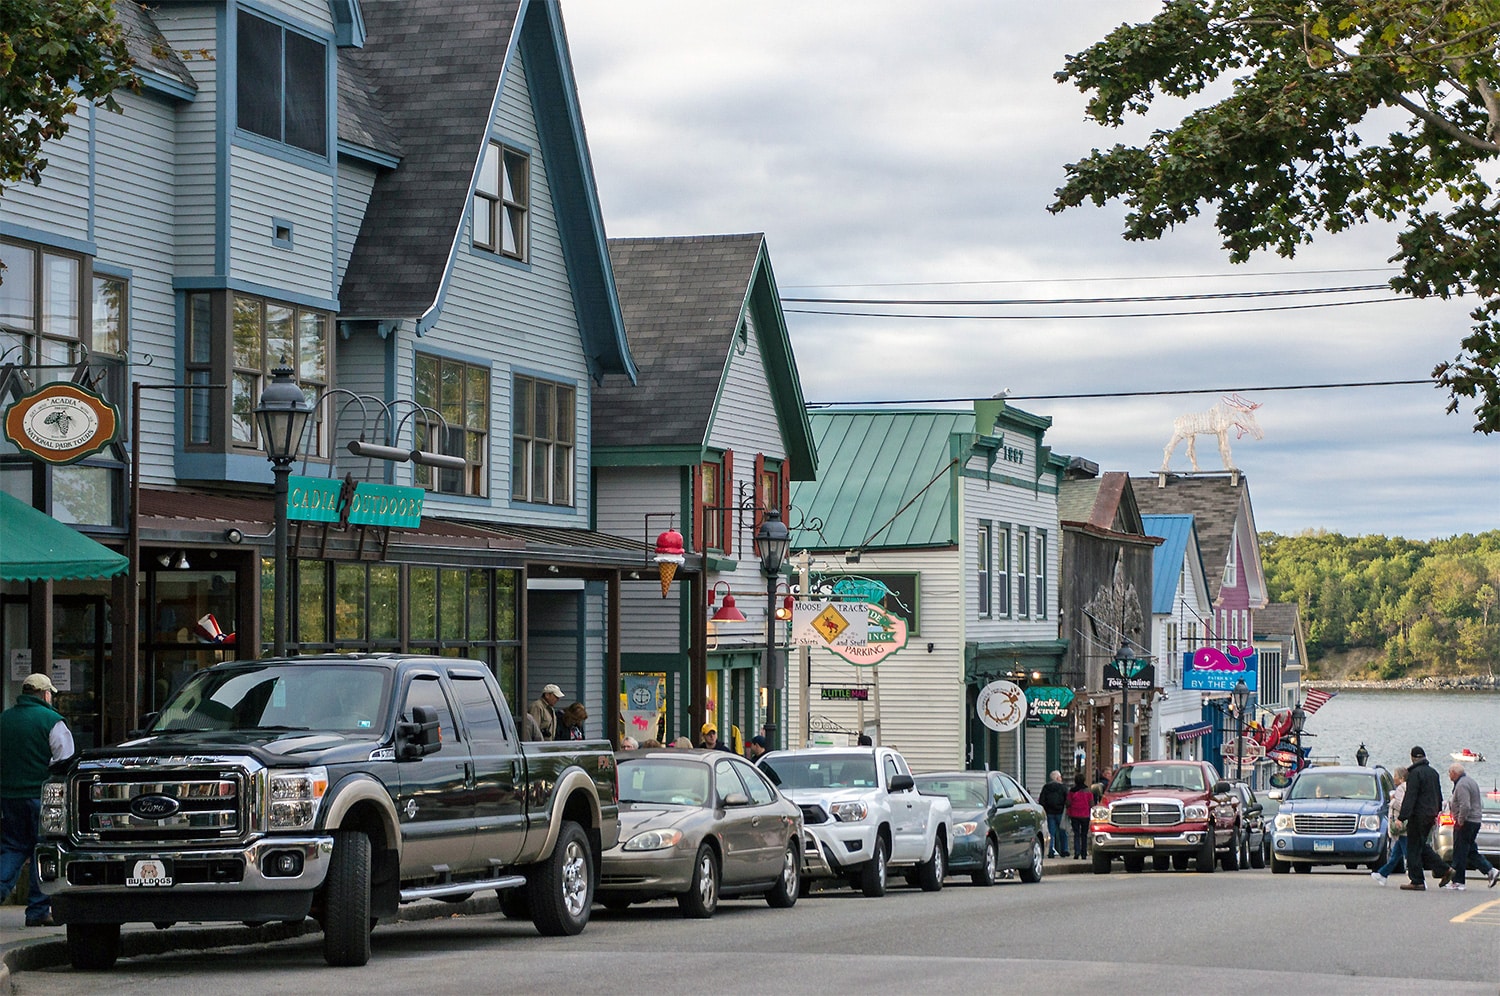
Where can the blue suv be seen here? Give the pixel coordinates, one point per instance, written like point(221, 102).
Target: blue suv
point(1333, 816)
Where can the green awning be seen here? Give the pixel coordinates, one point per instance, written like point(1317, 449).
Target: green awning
point(983, 662)
point(36, 547)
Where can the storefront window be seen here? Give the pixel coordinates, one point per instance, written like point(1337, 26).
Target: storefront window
point(423, 603)
point(186, 607)
point(84, 495)
point(312, 603)
point(453, 597)
point(385, 603)
point(349, 604)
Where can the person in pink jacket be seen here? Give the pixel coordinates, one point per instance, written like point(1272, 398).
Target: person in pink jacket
point(1080, 802)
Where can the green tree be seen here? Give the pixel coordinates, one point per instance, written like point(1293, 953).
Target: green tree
point(1290, 150)
point(53, 53)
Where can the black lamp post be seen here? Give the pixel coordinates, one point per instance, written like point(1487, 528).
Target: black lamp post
point(1240, 696)
point(282, 415)
point(1361, 756)
point(1299, 719)
point(774, 539)
point(1124, 658)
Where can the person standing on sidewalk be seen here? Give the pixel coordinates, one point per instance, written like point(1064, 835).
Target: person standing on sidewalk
point(1054, 800)
point(1419, 811)
point(1467, 812)
point(1398, 831)
point(32, 736)
point(1080, 805)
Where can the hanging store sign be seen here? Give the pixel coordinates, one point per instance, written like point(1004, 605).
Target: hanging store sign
point(884, 635)
point(62, 423)
point(846, 694)
point(1047, 706)
point(313, 499)
point(1141, 674)
point(324, 499)
point(830, 624)
point(1001, 706)
point(1209, 669)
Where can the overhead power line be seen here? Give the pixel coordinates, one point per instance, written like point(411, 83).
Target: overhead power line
point(1096, 280)
point(1080, 396)
point(1129, 314)
point(1136, 299)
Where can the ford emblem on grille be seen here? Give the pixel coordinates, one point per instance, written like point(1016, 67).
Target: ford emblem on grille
point(154, 807)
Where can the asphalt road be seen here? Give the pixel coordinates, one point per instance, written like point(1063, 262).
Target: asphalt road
point(1330, 932)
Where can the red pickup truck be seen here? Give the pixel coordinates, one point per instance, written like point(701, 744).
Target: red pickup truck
point(1169, 811)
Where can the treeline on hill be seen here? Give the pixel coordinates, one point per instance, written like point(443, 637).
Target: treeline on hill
point(1418, 608)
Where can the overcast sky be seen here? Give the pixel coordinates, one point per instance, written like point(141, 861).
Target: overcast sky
point(909, 150)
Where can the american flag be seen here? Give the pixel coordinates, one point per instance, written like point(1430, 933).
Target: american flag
point(1314, 699)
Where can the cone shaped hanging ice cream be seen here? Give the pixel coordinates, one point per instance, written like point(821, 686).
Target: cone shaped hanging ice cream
point(669, 555)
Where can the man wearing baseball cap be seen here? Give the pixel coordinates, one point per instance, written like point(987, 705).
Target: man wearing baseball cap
point(544, 711)
point(1419, 811)
point(32, 736)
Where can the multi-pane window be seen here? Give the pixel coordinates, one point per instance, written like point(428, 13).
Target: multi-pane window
point(1041, 574)
point(41, 305)
point(711, 495)
point(1002, 571)
point(543, 440)
point(460, 393)
point(982, 576)
point(282, 84)
point(502, 199)
point(266, 335)
point(1231, 561)
point(1023, 571)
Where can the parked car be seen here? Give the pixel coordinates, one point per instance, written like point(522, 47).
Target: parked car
point(863, 816)
point(997, 825)
point(1170, 811)
point(1333, 816)
point(700, 825)
point(1255, 843)
point(1489, 827)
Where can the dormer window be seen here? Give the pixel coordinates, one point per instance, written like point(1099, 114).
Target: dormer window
point(282, 85)
point(502, 201)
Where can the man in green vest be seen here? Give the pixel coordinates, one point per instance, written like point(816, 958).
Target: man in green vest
point(32, 736)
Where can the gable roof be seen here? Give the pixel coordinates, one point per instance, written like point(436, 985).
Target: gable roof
point(149, 49)
point(437, 69)
point(1104, 503)
point(1215, 502)
point(886, 480)
point(1177, 532)
point(1277, 619)
point(683, 299)
point(362, 119)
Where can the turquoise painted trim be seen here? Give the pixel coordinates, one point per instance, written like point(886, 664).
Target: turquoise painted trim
point(84, 247)
point(104, 268)
point(154, 81)
point(365, 154)
point(331, 143)
point(249, 468)
point(1019, 482)
point(286, 153)
point(228, 112)
point(1018, 419)
point(277, 224)
point(221, 282)
point(389, 346)
point(93, 169)
point(646, 456)
point(524, 265)
point(562, 511)
point(348, 23)
point(720, 565)
point(538, 374)
point(581, 643)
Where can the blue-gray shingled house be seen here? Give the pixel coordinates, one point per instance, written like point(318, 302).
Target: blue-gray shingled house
point(394, 197)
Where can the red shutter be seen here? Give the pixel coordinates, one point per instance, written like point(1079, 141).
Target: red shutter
point(786, 491)
point(726, 498)
point(761, 499)
point(697, 537)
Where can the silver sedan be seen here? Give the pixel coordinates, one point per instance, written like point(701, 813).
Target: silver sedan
point(700, 825)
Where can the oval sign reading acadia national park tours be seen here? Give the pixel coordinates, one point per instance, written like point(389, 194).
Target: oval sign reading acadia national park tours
point(62, 423)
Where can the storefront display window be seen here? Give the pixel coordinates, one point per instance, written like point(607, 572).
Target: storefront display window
point(186, 608)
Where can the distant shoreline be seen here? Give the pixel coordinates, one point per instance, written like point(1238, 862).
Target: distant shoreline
point(1440, 683)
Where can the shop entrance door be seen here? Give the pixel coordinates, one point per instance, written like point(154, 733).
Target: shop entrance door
point(80, 661)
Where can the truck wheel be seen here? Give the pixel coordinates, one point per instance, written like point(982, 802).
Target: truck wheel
point(990, 870)
point(930, 872)
point(783, 896)
point(560, 888)
point(702, 896)
point(1032, 873)
point(1101, 862)
point(1279, 867)
point(514, 904)
point(1134, 862)
point(1161, 862)
point(1180, 862)
point(93, 947)
point(1231, 860)
point(346, 901)
point(1258, 856)
point(872, 875)
point(1206, 855)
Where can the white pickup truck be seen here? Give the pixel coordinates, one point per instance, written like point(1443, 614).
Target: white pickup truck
point(862, 816)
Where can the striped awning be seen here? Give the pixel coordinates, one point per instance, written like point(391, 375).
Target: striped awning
point(1192, 731)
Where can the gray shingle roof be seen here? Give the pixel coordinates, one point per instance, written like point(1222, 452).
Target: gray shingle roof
point(1276, 619)
point(362, 120)
point(148, 47)
point(435, 67)
point(681, 299)
point(1214, 503)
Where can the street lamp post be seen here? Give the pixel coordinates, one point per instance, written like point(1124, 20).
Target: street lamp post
point(1240, 696)
point(282, 415)
point(1299, 719)
point(1123, 659)
point(774, 539)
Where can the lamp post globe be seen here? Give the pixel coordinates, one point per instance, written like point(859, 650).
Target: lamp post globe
point(1124, 658)
point(281, 413)
point(774, 539)
point(1299, 719)
point(1240, 697)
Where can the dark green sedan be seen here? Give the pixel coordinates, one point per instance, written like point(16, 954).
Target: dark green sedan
point(997, 825)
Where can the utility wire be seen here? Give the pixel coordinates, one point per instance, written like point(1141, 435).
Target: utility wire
point(1125, 394)
point(1091, 280)
point(1130, 314)
point(1138, 299)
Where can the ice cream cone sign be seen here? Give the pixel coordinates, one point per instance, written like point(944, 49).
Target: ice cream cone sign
point(669, 556)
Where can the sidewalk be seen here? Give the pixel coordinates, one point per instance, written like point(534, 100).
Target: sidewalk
point(24, 948)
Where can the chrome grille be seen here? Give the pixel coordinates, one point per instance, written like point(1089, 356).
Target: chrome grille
point(812, 813)
point(208, 804)
point(1145, 814)
point(1326, 823)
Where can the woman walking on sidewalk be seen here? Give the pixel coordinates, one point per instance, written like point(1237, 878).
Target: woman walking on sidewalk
point(1080, 802)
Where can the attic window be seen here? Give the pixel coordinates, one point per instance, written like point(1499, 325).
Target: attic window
point(281, 84)
point(742, 340)
point(502, 202)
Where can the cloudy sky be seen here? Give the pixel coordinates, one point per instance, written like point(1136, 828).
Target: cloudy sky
point(908, 150)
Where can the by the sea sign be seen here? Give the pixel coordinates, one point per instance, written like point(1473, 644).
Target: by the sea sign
point(62, 423)
point(1210, 669)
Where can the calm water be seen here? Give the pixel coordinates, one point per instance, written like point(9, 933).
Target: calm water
point(1389, 723)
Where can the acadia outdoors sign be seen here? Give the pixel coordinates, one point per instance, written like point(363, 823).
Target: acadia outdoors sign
point(62, 423)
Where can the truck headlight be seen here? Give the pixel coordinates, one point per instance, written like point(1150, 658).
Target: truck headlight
point(653, 840)
point(54, 809)
point(1100, 813)
point(849, 812)
point(1283, 821)
point(1197, 812)
point(1369, 823)
point(294, 798)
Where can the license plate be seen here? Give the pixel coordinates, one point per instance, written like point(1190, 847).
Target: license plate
point(1145, 843)
point(1322, 845)
point(153, 873)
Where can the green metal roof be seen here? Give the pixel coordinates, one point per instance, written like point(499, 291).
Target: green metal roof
point(36, 547)
point(871, 464)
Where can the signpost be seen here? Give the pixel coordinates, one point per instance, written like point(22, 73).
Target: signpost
point(1142, 675)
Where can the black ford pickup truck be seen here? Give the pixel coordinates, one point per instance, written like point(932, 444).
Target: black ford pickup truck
point(333, 786)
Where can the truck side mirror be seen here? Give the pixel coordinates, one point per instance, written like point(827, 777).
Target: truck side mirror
point(902, 783)
point(421, 736)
